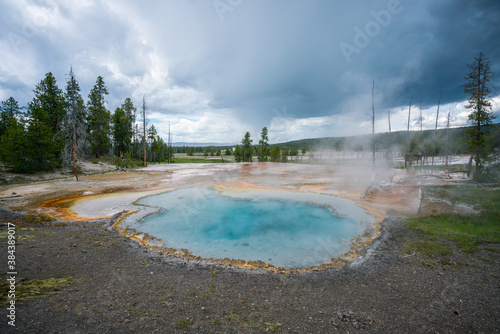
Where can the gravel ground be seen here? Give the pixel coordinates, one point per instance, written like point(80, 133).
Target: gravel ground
point(120, 287)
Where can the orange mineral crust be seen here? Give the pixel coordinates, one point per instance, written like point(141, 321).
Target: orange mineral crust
point(380, 193)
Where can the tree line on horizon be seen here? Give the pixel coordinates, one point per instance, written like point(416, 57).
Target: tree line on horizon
point(245, 151)
point(480, 139)
point(58, 127)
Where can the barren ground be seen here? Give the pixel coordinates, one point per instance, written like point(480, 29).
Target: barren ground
point(117, 285)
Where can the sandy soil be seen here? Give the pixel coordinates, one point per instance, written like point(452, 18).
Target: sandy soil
point(120, 286)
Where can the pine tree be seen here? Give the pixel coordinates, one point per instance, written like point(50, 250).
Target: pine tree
point(275, 154)
point(9, 109)
point(477, 87)
point(98, 118)
point(13, 147)
point(51, 99)
point(263, 145)
point(246, 148)
point(120, 132)
point(144, 125)
point(75, 126)
point(130, 110)
point(40, 152)
point(12, 136)
point(237, 154)
point(162, 150)
point(45, 117)
point(153, 144)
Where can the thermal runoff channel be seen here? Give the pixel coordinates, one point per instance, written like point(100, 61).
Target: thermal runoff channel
point(281, 232)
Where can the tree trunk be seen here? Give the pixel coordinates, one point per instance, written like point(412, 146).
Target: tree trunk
point(478, 149)
point(447, 141)
point(435, 130)
point(373, 126)
point(480, 89)
point(390, 138)
point(168, 144)
point(421, 119)
point(144, 128)
point(408, 136)
point(75, 159)
point(73, 119)
point(420, 148)
point(469, 165)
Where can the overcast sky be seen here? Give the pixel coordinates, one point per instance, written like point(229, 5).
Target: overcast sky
point(216, 69)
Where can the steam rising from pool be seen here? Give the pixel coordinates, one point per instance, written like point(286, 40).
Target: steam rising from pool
point(280, 231)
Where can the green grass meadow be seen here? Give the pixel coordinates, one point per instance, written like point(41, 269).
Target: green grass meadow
point(465, 232)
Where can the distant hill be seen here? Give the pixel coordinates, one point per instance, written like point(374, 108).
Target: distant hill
point(457, 138)
point(179, 144)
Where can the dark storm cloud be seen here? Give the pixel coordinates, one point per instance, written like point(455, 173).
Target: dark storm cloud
point(268, 55)
point(256, 61)
point(449, 36)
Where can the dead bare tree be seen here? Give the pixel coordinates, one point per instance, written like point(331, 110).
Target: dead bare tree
point(390, 138)
point(135, 153)
point(75, 127)
point(408, 136)
point(409, 113)
point(447, 141)
point(421, 144)
point(144, 121)
point(73, 120)
point(373, 125)
point(439, 104)
point(169, 145)
point(421, 119)
point(435, 130)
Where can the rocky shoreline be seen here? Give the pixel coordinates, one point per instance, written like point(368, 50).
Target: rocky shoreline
point(114, 284)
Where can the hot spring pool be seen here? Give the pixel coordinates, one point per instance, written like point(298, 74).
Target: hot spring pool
point(285, 232)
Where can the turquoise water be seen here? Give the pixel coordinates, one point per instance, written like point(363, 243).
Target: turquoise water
point(283, 233)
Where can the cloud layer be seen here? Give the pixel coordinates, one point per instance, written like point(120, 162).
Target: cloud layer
point(218, 68)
